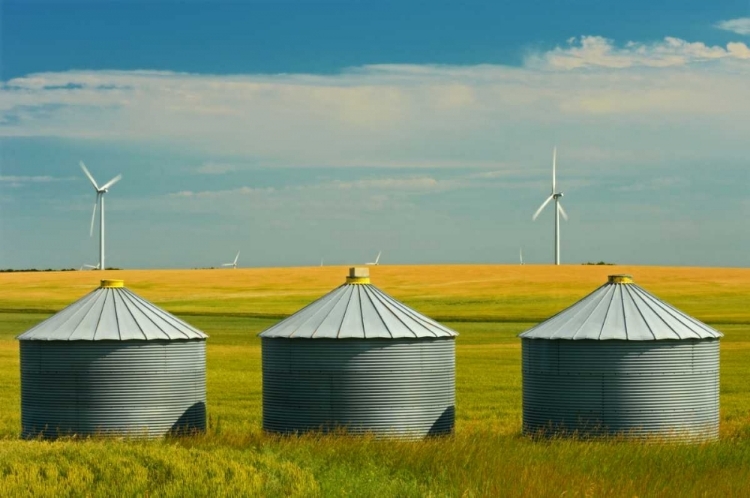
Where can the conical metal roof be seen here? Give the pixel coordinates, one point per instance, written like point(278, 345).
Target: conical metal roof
point(112, 313)
point(624, 311)
point(357, 310)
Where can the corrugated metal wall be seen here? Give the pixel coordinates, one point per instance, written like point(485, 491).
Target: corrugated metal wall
point(390, 387)
point(140, 388)
point(668, 389)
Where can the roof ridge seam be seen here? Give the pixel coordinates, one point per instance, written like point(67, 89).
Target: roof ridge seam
point(376, 296)
point(94, 300)
point(135, 320)
point(101, 313)
point(148, 307)
point(382, 320)
point(582, 303)
point(624, 314)
point(40, 324)
point(606, 314)
point(164, 316)
point(638, 291)
point(330, 298)
point(523, 334)
point(674, 313)
point(343, 317)
point(114, 307)
point(328, 314)
point(418, 317)
point(361, 312)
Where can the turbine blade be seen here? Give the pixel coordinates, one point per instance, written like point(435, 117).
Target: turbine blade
point(93, 215)
point(544, 204)
point(562, 211)
point(93, 182)
point(554, 167)
point(237, 257)
point(111, 182)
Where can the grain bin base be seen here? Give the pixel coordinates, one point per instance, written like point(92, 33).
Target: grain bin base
point(633, 389)
point(112, 388)
point(402, 388)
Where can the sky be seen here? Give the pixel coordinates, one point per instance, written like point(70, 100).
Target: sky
point(301, 131)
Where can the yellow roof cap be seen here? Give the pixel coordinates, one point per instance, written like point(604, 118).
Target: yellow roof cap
point(112, 284)
point(620, 279)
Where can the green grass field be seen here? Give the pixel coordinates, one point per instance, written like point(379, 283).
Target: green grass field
point(486, 457)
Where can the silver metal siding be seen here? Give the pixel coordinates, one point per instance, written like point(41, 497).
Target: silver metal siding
point(135, 388)
point(389, 387)
point(668, 389)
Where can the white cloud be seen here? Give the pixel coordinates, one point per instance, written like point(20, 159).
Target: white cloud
point(632, 101)
point(741, 26)
point(596, 51)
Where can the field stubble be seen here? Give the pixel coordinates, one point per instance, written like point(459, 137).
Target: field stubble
point(486, 457)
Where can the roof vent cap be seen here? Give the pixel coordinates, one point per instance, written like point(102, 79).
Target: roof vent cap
point(358, 276)
point(112, 284)
point(620, 279)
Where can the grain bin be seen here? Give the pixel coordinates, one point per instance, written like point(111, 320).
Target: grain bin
point(112, 364)
point(621, 361)
point(359, 360)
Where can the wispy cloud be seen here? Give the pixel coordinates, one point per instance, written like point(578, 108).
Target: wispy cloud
point(655, 184)
point(16, 181)
point(36, 179)
point(211, 168)
point(213, 194)
point(741, 25)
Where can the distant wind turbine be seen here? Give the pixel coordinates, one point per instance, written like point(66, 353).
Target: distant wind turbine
point(100, 191)
point(520, 255)
point(375, 263)
point(234, 263)
point(558, 207)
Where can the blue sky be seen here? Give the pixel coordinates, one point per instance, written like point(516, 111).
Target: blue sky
point(296, 131)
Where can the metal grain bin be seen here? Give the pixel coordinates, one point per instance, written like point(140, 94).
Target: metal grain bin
point(622, 362)
point(112, 364)
point(359, 360)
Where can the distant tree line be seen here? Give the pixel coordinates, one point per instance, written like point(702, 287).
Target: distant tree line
point(600, 263)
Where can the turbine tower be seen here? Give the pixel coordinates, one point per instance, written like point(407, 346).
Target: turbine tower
point(558, 207)
point(100, 191)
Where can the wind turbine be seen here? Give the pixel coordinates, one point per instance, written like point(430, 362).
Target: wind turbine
point(233, 264)
point(375, 263)
point(100, 191)
point(520, 255)
point(558, 207)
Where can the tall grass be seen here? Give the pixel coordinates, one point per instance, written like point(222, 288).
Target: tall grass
point(487, 456)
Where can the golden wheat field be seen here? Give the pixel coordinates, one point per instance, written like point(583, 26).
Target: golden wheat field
point(451, 292)
point(487, 456)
